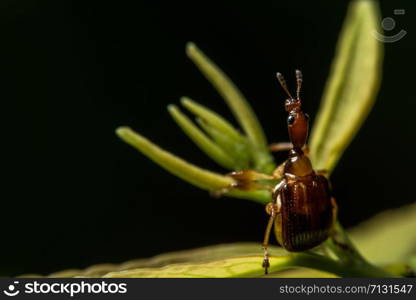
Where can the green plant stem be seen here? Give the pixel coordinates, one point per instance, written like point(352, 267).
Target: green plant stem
point(199, 177)
point(213, 119)
point(206, 144)
point(239, 106)
point(231, 94)
point(349, 257)
point(342, 246)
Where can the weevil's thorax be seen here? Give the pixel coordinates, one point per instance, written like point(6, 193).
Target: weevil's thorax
point(298, 164)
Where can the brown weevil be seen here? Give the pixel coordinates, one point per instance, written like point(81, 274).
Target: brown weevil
point(302, 209)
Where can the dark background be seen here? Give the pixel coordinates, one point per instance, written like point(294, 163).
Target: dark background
point(74, 195)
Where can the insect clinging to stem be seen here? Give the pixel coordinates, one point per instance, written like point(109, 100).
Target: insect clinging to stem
point(302, 210)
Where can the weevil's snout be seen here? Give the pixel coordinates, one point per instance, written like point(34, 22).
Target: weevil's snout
point(298, 126)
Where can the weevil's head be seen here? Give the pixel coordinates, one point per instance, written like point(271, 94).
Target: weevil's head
point(297, 120)
point(298, 127)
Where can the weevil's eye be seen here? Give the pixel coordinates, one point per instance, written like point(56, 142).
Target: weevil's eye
point(290, 119)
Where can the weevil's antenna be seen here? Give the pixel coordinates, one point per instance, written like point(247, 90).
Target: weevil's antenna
point(298, 82)
point(283, 84)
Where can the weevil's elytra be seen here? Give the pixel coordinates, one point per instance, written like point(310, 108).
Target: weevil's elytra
point(302, 211)
point(306, 213)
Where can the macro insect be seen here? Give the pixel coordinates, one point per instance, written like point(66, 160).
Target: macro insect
point(302, 210)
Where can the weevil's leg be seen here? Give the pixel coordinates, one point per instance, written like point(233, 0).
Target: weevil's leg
point(332, 231)
point(247, 181)
point(279, 171)
point(334, 212)
point(249, 175)
point(250, 186)
point(284, 146)
point(272, 208)
point(266, 262)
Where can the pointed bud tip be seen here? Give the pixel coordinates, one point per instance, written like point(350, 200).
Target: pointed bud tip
point(122, 130)
point(184, 100)
point(190, 47)
point(172, 107)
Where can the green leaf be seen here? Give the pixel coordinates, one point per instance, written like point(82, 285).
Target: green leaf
point(246, 266)
point(412, 262)
point(302, 273)
point(352, 85)
point(202, 254)
point(198, 255)
point(249, 266)
point(238, 105)
point(242, 266)
point(388, 238)
point(201, 140)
